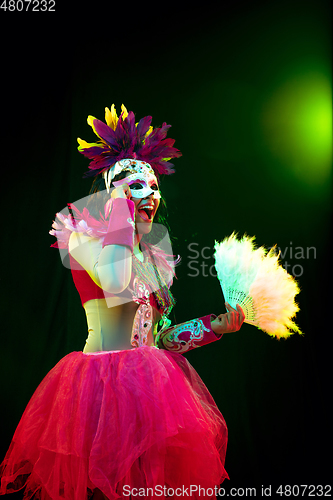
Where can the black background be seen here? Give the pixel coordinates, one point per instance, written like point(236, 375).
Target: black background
point(205, 69)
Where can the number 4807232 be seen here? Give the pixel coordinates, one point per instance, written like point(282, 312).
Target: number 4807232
point(28, 5)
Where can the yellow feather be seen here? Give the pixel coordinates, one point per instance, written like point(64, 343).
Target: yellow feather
point(84, 144)
point(124, 111)
point(90, 120)
point(108, 119)
point(111, 117)
point(149, 131)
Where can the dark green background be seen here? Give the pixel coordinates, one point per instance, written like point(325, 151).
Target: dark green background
point(217, 75)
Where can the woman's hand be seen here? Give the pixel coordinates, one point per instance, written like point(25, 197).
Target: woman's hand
point(230, 321)
point(122, 191)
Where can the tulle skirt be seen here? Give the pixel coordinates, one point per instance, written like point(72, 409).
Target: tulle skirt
point(129, 423)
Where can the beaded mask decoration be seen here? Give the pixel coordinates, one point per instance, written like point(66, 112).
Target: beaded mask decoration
point(141, 175)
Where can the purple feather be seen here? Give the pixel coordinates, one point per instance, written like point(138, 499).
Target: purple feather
point(92, 152)
point(105, 132)
point(143, 126)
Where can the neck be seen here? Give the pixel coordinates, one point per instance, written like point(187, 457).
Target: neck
point(137, 240)
point(136, 249)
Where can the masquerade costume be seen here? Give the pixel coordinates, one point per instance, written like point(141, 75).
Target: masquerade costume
point(129, 411)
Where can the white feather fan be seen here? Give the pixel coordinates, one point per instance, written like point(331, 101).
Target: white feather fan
point(254, 279)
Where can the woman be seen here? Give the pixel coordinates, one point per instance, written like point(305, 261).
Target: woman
point(129, 415)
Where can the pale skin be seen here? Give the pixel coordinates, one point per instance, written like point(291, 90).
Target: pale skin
point(228, 322)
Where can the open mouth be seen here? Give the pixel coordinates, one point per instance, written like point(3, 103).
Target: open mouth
point(146, 213)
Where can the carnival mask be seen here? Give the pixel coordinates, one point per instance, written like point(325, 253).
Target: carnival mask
point(142, 178)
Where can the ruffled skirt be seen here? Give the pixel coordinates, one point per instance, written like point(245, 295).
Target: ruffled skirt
point(138, 422)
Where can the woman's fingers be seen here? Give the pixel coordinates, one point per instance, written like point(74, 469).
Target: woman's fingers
point(241, 313)
point(231, 317)
point(238, 309)
point(234, 317)
point(122, 191)
point(229, 307)
point(230, 321)
point(127, 190)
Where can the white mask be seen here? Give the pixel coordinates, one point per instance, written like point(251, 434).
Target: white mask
point(143, 175)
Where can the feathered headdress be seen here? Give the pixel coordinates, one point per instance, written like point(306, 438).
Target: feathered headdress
point(122, 138)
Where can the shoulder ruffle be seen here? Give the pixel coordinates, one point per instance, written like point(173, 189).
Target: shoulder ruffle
point(75, 221)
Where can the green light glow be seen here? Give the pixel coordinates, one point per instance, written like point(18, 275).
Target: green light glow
point(297, 125)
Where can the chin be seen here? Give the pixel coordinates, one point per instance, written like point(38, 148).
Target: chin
point(144, 227)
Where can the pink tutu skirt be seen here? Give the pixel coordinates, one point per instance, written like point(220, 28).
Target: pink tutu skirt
point(133, 422)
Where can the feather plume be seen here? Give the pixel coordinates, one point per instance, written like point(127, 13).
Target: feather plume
point(121, 138)
point(254, 278)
